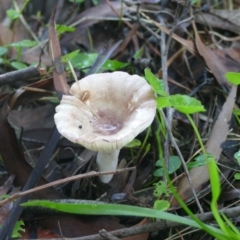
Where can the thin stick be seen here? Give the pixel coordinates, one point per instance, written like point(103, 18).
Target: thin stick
point(183, 163)
point(68, 179)
point(20, 75)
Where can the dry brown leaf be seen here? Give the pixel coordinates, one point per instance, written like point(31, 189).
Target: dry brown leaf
point(231, 16)
point(59, 77)
point(211, 20)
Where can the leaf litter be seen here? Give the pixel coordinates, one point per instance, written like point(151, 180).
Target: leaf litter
point(26, 118)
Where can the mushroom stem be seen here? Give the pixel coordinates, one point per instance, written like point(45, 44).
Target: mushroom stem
point(107, 161)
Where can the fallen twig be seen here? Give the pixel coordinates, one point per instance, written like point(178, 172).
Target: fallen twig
point(20, 75)
point(68, 179)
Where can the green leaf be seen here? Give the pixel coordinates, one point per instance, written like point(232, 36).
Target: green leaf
point(216, 190)
point(237, 176)
point(174, 165)
point(161, 205)
point(161, 188)
point(113, 65)
point(138, 54)
point(134, 143)
point(23, 43)
point(4, 196)
point(199, 161)
point(3, 50)
point(233, 77)
point(186, 104)
point(163, 102)
point(18, 65)
point(237, 156)
point(64, 28)
point(13, 14)
point(83, 60)
point(70, 56)
point(100, 208)
point(156, 84)
point(76, 1)
point(17, 229)
point(96, 2)
point(194, 1)
point(236, 112)
point(1, 60)
point(86, 60)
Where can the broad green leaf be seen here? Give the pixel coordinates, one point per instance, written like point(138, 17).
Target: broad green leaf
point(163, 102)
point(23, 43)
point(237, 176)
point(161, 205)
point(18, 65)
point(83, 60)
point(174, 165)
point(237, 156)
point(199, 161)
point(233, 77)
point(70, 56)
point(113, 65)
point(1, 60)
point(13, 14)
point(156, 84)
point(63, 28)
point(100, 208)
point(86, 60)
point(134, 143)
point(3, 50)
point(186, 104)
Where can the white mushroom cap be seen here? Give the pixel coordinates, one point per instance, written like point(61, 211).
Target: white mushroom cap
point(106, 111)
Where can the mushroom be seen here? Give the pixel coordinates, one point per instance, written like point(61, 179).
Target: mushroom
point(105, 112)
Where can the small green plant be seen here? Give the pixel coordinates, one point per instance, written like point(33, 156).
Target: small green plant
point(18, 46)
point(83, 61)
point(173, 166)
point(189, 105)
point(161, 188)
point(19, 224)
point(199, 161)
point(17, 229)
point(14, 15)
point(63, 29)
